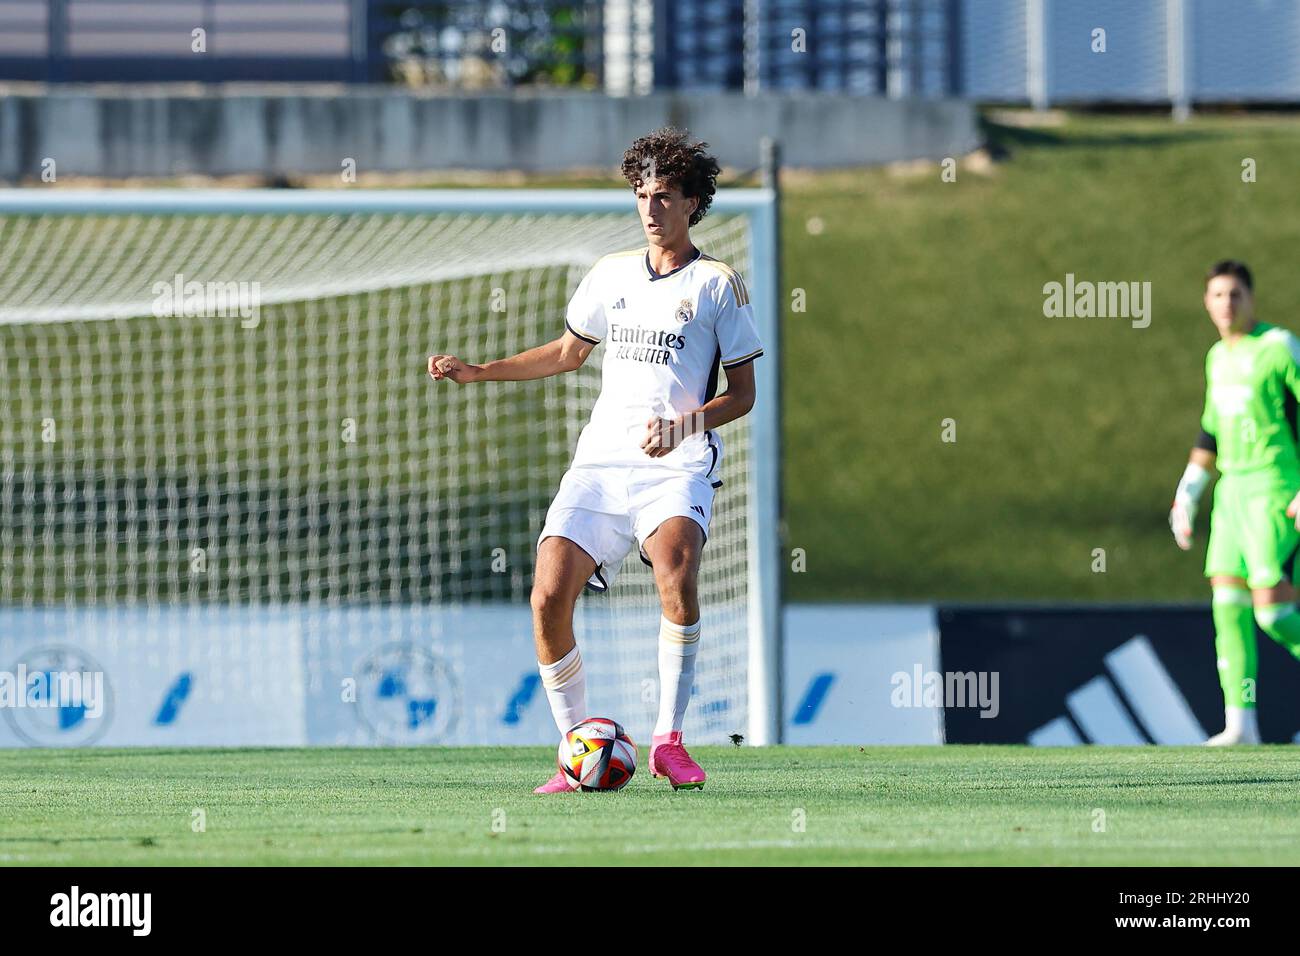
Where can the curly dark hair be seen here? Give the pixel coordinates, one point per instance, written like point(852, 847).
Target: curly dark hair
point(668, 155)
point(1232, 267)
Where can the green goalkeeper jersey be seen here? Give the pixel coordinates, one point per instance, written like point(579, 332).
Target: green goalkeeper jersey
point(1250, 403)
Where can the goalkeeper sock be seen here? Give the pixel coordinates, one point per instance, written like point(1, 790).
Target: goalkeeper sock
point(1282, 623)
point(678, 644)
point(566, 689)
point(1240, 722)
point(1234, 645)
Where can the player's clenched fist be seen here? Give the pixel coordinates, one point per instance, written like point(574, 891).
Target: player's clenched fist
point(448, 366)
point(662, 435)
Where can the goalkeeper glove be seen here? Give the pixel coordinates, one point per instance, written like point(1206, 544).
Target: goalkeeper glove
point(1293, 510)
point(1186, 498)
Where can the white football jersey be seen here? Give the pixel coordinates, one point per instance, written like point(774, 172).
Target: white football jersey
point(665, 337)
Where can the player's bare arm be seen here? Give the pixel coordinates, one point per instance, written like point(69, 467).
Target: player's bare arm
point(664, 434)
point(564, 354)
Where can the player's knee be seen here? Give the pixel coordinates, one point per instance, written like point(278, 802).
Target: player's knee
point(549, 601)
point(1268, 616)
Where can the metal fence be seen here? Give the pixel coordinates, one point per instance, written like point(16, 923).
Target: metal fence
point(875, 47)
point(1148, 51)
point(462, 44)
point(182, 40)
point(1037, 51)
point(621, 46)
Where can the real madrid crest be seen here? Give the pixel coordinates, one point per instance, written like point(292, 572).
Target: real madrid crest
point(685, 311)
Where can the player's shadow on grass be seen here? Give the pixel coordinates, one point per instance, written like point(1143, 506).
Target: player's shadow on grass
point(1002, 141)
point(1107, 780)
point(56, 841)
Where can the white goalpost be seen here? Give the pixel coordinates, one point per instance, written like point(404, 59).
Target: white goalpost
point(230, 486)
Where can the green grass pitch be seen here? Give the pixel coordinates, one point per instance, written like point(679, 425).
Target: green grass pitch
point(956, 805)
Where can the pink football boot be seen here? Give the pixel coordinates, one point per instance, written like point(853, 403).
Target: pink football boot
point(557, 784)
point(668, 758)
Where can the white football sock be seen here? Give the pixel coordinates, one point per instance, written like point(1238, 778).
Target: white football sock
point(566, 689)
point(677, 646)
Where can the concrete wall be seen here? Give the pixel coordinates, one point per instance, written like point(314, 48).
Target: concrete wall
point(121, 131)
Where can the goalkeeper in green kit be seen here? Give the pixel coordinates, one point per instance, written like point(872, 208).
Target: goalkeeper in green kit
point(1248, 431)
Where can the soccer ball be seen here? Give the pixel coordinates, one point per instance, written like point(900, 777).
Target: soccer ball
point(597, 754)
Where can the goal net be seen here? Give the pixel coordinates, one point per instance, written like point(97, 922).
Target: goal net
point(230, 486)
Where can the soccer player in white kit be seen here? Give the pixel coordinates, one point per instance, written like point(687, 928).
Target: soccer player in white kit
point(647, 463)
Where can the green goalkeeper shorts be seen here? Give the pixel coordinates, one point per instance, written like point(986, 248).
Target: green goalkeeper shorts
point(1251, 536)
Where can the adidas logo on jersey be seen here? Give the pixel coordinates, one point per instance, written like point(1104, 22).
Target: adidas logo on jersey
point(620, 304)
point(699, 509)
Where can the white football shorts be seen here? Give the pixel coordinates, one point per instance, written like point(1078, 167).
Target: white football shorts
point(605, 510)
